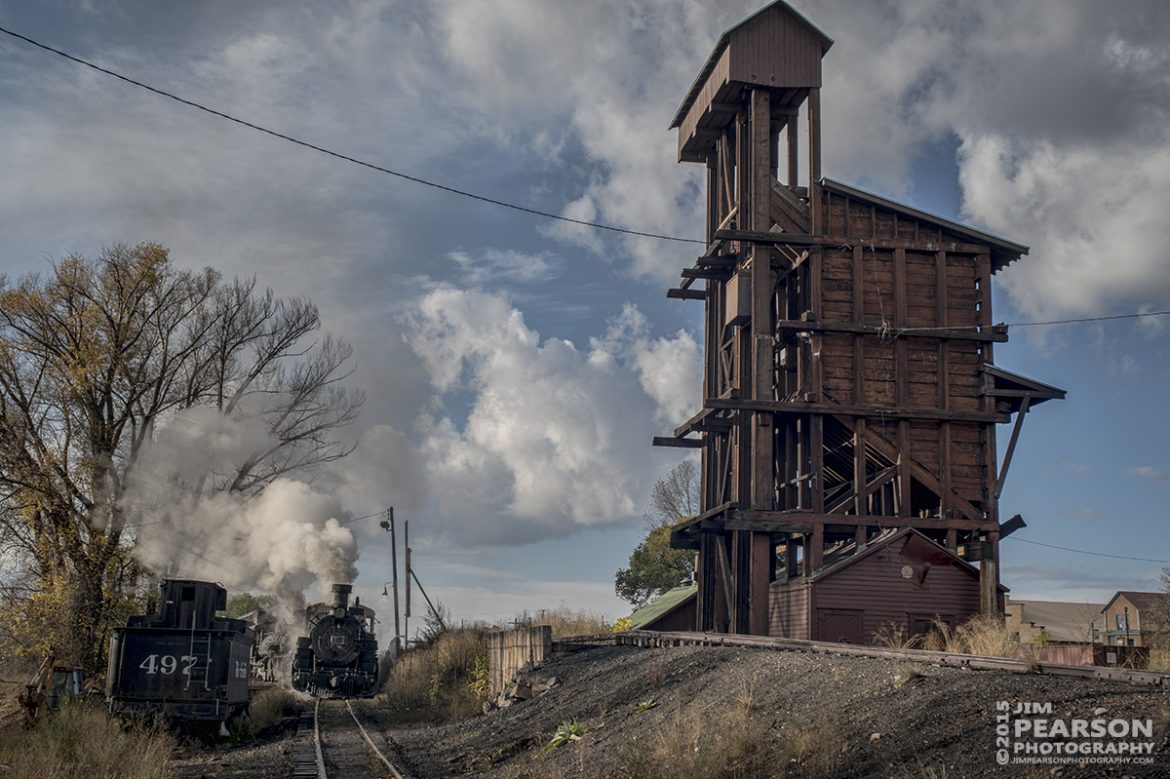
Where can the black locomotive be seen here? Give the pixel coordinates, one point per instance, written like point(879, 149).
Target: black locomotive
point(183, 660)
point(339, 656)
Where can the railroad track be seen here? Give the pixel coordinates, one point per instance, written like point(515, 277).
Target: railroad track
point(651, 638)
point(332, 746)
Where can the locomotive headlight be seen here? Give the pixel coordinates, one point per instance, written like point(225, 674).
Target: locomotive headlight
point(339, 613)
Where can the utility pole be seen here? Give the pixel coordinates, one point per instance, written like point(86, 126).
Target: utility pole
point(388, 524)
point(406, 616)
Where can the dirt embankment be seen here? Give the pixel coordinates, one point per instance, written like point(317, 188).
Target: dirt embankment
point(699, 712)
point(693, 711)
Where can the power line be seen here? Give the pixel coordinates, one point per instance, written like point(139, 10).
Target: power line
point(1079, 320)
point(1089, 319)
point(483, 198)
point(340, 156)
point(1094, 554)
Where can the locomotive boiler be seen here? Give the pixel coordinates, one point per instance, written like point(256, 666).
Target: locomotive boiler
point(183, 660)
point(339, 656)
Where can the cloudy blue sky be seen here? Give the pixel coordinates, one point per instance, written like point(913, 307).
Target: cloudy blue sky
point(516, 368)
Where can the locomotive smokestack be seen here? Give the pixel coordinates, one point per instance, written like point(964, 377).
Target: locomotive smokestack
point(341, 596)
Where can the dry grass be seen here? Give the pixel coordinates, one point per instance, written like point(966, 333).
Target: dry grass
point(568, 622)
point(270, 708)
point(696, 746)
point(894, 636)
point(445, 681)
point(812, 746)
point(80, 740)
point(977, 636)
point(1159, 660)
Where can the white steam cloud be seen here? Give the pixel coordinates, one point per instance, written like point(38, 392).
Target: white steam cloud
point(279, 540)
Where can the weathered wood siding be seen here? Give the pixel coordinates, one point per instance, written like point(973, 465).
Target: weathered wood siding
point(510, 650)
point(681, 617)
point(941, 289)
point(776, 50)
point(788, 609)
point(876, 585)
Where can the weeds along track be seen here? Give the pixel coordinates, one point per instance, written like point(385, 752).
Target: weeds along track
point(341, 747)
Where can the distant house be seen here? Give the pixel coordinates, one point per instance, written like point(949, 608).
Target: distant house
point(1130, 617)
point(900, 579)
point(1046, 622)
point(672, 610)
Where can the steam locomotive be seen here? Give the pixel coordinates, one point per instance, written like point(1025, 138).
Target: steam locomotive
point(339, 656)
point(182, 660)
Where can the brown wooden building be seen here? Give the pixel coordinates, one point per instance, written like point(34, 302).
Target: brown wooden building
point(900, 579)
point(849, 384)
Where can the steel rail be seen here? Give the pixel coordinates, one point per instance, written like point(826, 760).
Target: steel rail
point(365, 734)
point(650, 638)
point(321, 773)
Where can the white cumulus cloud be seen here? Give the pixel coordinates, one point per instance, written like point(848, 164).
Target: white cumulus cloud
point(554, 438)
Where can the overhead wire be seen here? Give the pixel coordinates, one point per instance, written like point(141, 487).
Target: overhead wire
point(1074, 321)
point(345, 157)
point(483, 198)
point(1086, 552)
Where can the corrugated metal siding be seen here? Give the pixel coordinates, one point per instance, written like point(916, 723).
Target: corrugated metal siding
point(788, 609)
point(876, 586)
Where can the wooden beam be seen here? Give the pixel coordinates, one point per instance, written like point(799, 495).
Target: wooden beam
point(681, 443)
point(720, 261)
point(798, 407)
point(686, 294)
point(998, 334)
point(846, 242)
point(759, 236)
point(798, 521)
point(692, 424)
point(1011, 448)
point(704, 273)
point(928, 479)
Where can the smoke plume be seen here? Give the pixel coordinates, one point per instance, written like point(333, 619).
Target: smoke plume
point(278, 540)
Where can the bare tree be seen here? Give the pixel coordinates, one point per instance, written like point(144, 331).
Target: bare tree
point(675, 497)
point(102, 352)
point(655, 567)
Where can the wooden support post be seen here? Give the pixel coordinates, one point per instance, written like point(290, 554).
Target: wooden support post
point(762, 296)
point(815, 551)
point(989, 578)
point(860, 502)
point(814, 159)
point(793, 133)
point(726, 590)
point(763, 560)
point(1011, 448)
point(774, 151)
point(757, 548)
